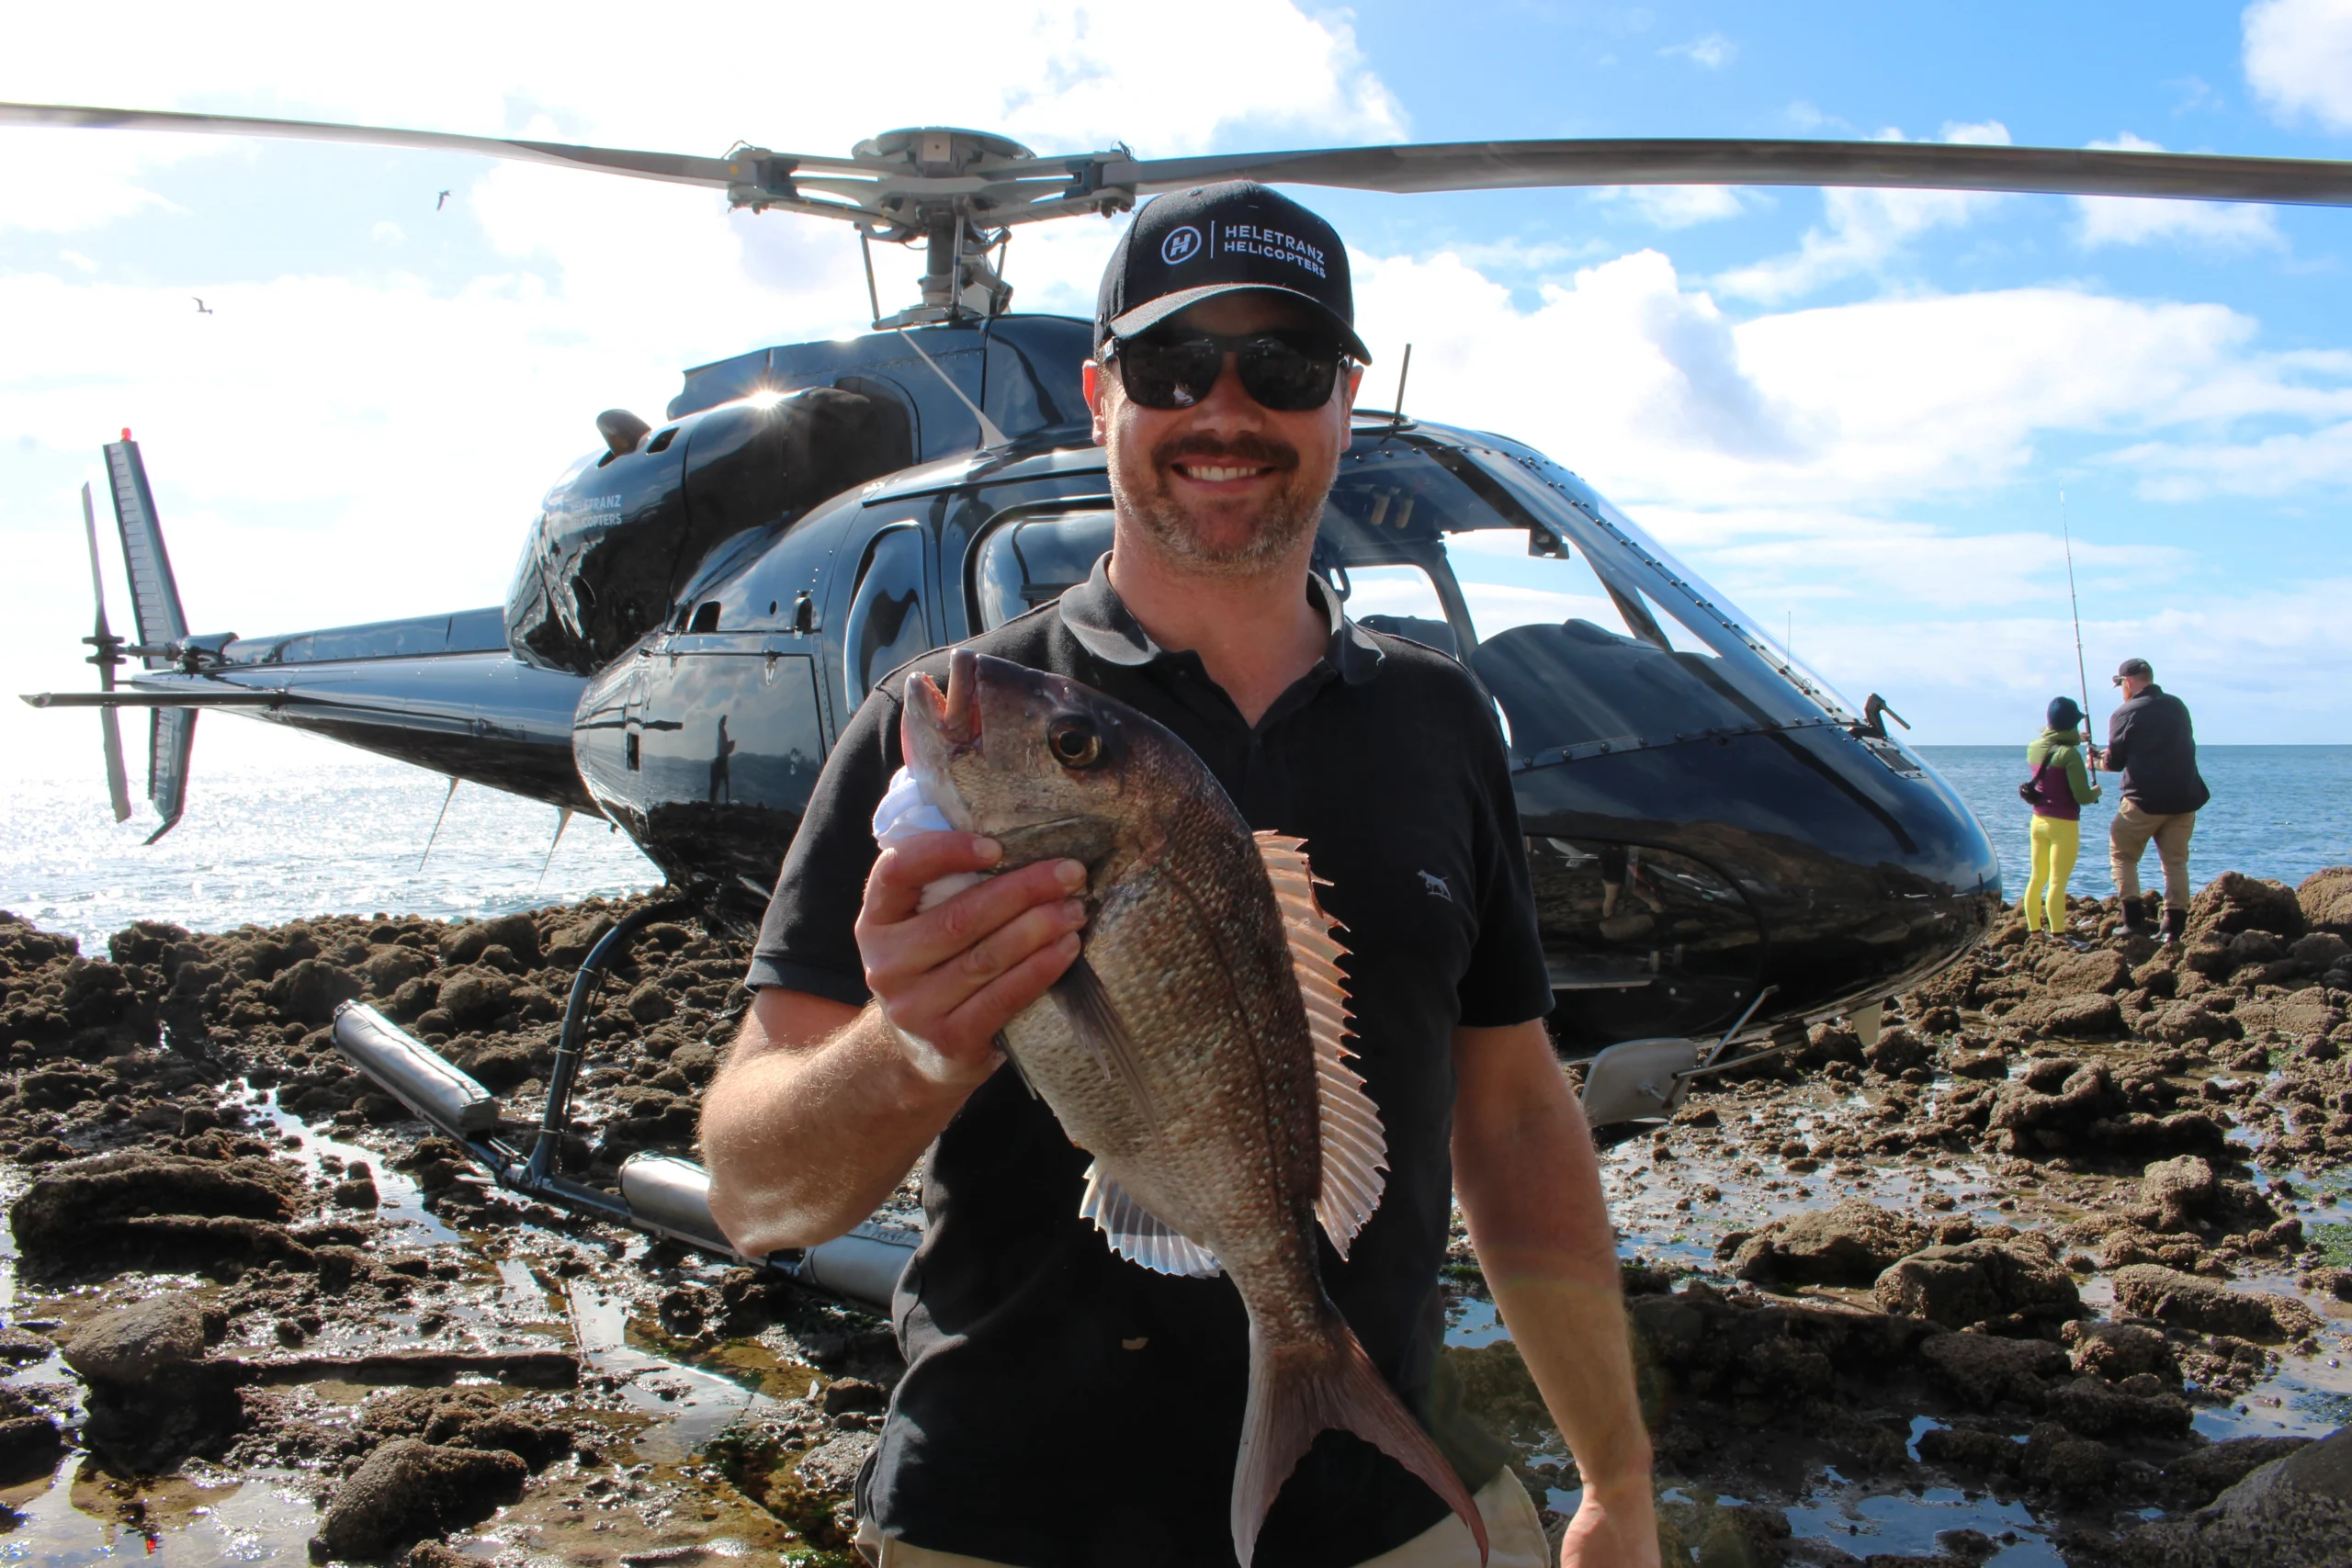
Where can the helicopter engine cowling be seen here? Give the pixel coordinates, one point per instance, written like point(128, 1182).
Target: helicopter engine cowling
point(621, 533)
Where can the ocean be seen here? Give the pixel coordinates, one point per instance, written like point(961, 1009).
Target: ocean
point(317, 831)
point(2280, 812)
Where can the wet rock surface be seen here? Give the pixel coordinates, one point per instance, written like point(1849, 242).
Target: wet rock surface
point(2057, 1262)
point(246, 1279)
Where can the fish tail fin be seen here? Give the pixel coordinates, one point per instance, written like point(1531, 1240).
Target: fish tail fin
point(1298, 1391)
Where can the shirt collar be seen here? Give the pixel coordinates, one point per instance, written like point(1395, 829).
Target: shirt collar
point(1103, 625)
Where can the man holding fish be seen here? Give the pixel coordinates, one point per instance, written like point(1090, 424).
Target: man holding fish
point(1197, 953)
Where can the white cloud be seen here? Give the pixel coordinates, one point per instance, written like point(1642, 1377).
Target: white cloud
point(1628, 375)
point(1710, 52)
point(1677, 207)
point(2281, 464)
point(1815, 554)
point(60, 182)
point(388, 234)
point(1064, 73)
point(2245, 661)
point(2299, 58)
point(1865, 228)
point(348, 441)
point(2224, 226)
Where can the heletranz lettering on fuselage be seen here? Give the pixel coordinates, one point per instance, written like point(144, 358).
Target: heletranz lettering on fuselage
point(1254, 240)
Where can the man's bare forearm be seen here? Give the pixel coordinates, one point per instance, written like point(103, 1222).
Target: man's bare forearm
point(806, 1139)
point(1530, 1189)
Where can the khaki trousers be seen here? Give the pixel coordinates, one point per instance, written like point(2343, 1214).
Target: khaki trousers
point(2127, 839)
point(1514, 1540)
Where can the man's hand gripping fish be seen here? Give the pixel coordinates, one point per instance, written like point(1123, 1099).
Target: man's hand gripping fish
point(1194, 1048)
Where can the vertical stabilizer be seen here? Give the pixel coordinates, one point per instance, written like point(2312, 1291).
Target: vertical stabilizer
point(154, 596)
point(162, 626)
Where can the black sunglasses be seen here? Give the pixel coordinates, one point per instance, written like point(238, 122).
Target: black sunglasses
point(1287, 371)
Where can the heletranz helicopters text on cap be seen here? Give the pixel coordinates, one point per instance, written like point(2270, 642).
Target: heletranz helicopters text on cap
point(1719, 843)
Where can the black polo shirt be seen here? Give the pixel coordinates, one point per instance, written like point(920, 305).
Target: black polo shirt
point(1061, 1405)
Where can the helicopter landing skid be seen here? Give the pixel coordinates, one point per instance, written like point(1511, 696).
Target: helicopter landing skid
point(660, 1194)
point(1646, 1080)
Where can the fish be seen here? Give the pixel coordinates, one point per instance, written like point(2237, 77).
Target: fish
point(1196, 1046)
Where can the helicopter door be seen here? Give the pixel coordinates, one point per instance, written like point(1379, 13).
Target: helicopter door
point(889, 622)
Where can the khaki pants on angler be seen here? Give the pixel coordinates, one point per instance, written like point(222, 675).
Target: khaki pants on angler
point(1514, 1540)
point(2127, 840)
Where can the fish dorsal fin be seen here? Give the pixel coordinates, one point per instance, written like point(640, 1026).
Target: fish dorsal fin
point(1355, 1147)
point(1139, 1235)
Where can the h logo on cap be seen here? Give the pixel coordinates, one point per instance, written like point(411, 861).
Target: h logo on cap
point(1182, 245)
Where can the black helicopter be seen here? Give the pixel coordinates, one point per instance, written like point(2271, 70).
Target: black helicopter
point(1719, 842)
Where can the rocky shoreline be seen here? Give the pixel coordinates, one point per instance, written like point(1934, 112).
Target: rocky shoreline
point(2012, 1282)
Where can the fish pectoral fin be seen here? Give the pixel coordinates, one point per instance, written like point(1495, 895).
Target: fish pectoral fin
point(1356, 1146)
point(1139, 1235)
point(1017, 1071)
point(1087, 1007)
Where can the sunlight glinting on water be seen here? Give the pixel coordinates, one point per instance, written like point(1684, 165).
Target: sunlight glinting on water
point(323, 837)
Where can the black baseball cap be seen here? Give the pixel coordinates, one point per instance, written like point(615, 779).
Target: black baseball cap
point(2133, 667)
point(1191, 246)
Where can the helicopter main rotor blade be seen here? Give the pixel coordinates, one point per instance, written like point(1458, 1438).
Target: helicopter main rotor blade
point(1932, 166)
point(677, 167)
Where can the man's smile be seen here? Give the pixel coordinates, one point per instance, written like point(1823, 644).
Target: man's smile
point(1226, 472)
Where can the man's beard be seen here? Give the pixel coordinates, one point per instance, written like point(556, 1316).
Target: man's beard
point(1284, 518)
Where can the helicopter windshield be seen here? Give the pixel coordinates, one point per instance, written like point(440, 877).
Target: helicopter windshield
point(1588, 637)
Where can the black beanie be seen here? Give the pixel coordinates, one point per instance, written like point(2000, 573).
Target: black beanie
point(2063, 714)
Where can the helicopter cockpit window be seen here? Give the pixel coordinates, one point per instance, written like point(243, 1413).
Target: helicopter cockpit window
point(885, 617)
point(1579, 656)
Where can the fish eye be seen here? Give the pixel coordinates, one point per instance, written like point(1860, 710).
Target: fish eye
point(1074, 741)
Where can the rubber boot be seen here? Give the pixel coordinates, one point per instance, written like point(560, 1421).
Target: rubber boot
point(2175, 927)
point(2135, 920)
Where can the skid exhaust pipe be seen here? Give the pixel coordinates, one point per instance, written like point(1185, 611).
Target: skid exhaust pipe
point(413, 1073)
point(659, 1195)
point(672, 1196)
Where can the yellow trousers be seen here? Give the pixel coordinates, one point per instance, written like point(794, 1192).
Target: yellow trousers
point(2056, 842)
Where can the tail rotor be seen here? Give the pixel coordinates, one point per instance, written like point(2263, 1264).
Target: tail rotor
point(107, 655)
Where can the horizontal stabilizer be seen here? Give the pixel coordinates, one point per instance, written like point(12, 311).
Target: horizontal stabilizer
point(189, 697)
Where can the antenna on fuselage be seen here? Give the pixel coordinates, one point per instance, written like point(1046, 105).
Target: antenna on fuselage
point(435, 836)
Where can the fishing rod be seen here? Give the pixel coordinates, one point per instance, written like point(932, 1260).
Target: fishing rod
point(2091, 754)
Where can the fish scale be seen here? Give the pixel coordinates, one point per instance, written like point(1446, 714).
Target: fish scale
point(1195, 1048)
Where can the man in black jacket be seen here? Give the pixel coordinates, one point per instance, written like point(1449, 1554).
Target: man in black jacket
point(2152, 744)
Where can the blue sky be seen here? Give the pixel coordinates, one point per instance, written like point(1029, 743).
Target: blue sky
point(1850, 410)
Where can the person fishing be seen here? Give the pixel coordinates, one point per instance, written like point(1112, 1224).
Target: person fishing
point(2152, 743)
point(2059, 789)
point(1064, 1406)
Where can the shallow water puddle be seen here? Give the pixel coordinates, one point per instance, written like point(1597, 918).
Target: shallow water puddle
point(203, 1515)
point(1908, 1523)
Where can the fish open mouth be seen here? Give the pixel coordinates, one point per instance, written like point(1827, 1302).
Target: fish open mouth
point(935, 725)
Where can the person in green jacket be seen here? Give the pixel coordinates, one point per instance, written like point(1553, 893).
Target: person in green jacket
point(2060, 788)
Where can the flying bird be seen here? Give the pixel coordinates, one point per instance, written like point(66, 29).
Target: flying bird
point(201, 308)
point(443, 202)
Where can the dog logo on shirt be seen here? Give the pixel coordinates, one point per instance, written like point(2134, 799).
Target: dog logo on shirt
point(1435, 886)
